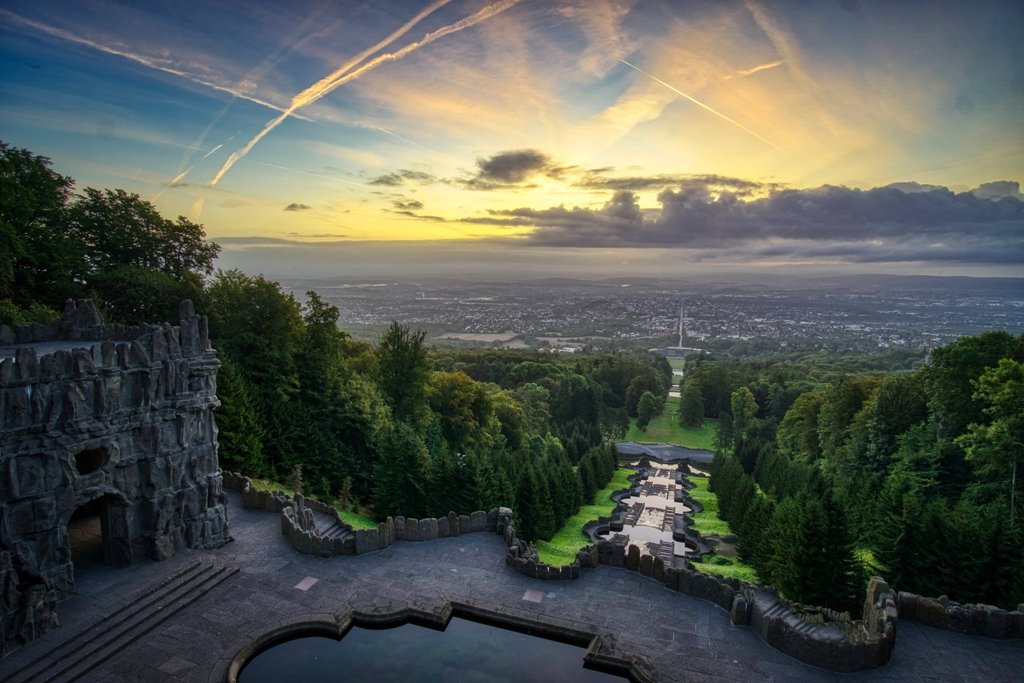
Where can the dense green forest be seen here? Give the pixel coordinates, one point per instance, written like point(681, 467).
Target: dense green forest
point(391, 428)
point(920, 468)
point(820, 464)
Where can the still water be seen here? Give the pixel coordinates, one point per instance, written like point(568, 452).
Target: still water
point(465, 652)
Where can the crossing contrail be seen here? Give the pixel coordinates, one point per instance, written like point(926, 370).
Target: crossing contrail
point(702, 105)
point(212, 151)
point(347, 72)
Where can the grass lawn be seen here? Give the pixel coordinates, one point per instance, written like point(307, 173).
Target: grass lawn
point(666, 429)
point(729, 567)
point(356, 520)
point(562, 547)
point(708, 522)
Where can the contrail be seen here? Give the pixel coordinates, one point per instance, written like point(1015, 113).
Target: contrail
point(702, 105)
point(212, 151)
point(753, 70)
point(326, 85)
point(342, 75)
point(138, 59)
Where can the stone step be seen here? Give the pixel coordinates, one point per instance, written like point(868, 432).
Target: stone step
point(335, 531)
point(96, 643)
point(68, 646)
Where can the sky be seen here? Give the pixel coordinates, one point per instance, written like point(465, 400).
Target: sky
point(558, 137)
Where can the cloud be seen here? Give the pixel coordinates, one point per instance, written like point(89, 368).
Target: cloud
point(998, 189)
point(512, 168)
point(349, 71)
point(913, 186)
point(883, 224)
point(261, 241)
point(599, 179)
point(403, 177)
point(420, 216)
point(297, 207)
point(411, 205)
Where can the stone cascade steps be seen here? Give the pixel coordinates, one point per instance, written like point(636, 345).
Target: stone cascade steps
point(102, 639)
point(668, 522)
point(633, 514)
point(666, 551)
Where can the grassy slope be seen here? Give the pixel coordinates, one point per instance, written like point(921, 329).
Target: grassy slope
point(562, 547)
point(708, 522)
point(666, 429)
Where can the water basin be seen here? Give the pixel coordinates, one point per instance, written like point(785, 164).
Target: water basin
point(465, 652)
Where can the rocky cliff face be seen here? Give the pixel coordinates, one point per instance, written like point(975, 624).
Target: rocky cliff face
point(113, 420)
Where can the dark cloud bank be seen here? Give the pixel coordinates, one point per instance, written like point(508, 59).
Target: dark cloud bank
point(883, 224)
point(714, 217)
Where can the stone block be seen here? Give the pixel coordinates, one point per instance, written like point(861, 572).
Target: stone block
point(997, 622)
point(618, 558)
point(633, 558)
point(478, 521)
point(574, 570)
point(427, 529)
point(726, 595)
point(362, 543)
point(685, 581)
point(32, 516)
point(658, 569)
point(31, 475)
point(492, 520)
point(464, 524)
point(646, 564)
point(671, 578)
point(931, 612)
point(739, 612)
point(1015, 623)
point(399, 528)
point(453, 524)
point(442, 527)
point(412, 527)
point(907, 605)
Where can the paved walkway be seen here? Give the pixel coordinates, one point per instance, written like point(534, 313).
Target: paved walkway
point(664, 452)
point(683, 638)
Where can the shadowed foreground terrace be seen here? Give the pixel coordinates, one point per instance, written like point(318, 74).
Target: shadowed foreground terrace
point(258, 582)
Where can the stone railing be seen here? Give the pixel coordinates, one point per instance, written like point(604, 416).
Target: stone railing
point(841, 645)
point(979, 620)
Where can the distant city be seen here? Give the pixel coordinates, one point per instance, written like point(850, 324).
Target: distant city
point(842, 314)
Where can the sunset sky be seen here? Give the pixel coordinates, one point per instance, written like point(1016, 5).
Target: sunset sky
point(582, 136)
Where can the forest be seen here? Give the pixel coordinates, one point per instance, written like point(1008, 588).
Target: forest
point(824, 476)
point(824, 473)
point(388, 429)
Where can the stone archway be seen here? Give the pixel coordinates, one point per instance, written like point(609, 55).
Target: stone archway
point(99, 531)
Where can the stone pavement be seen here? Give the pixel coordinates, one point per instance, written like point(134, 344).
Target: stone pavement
point(682, 638)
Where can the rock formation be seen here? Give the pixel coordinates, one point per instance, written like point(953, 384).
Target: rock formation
point(108, 419)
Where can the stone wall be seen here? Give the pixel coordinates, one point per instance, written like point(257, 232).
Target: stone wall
point(979, 620)
point(118, 417)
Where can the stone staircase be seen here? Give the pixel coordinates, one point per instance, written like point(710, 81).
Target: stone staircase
point(98, 641)
point(666, 551)
point(329, 528)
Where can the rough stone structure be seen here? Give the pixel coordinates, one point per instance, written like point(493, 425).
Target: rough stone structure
point(111, 420)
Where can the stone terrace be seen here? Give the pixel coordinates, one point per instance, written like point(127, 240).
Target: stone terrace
point(258, 580)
